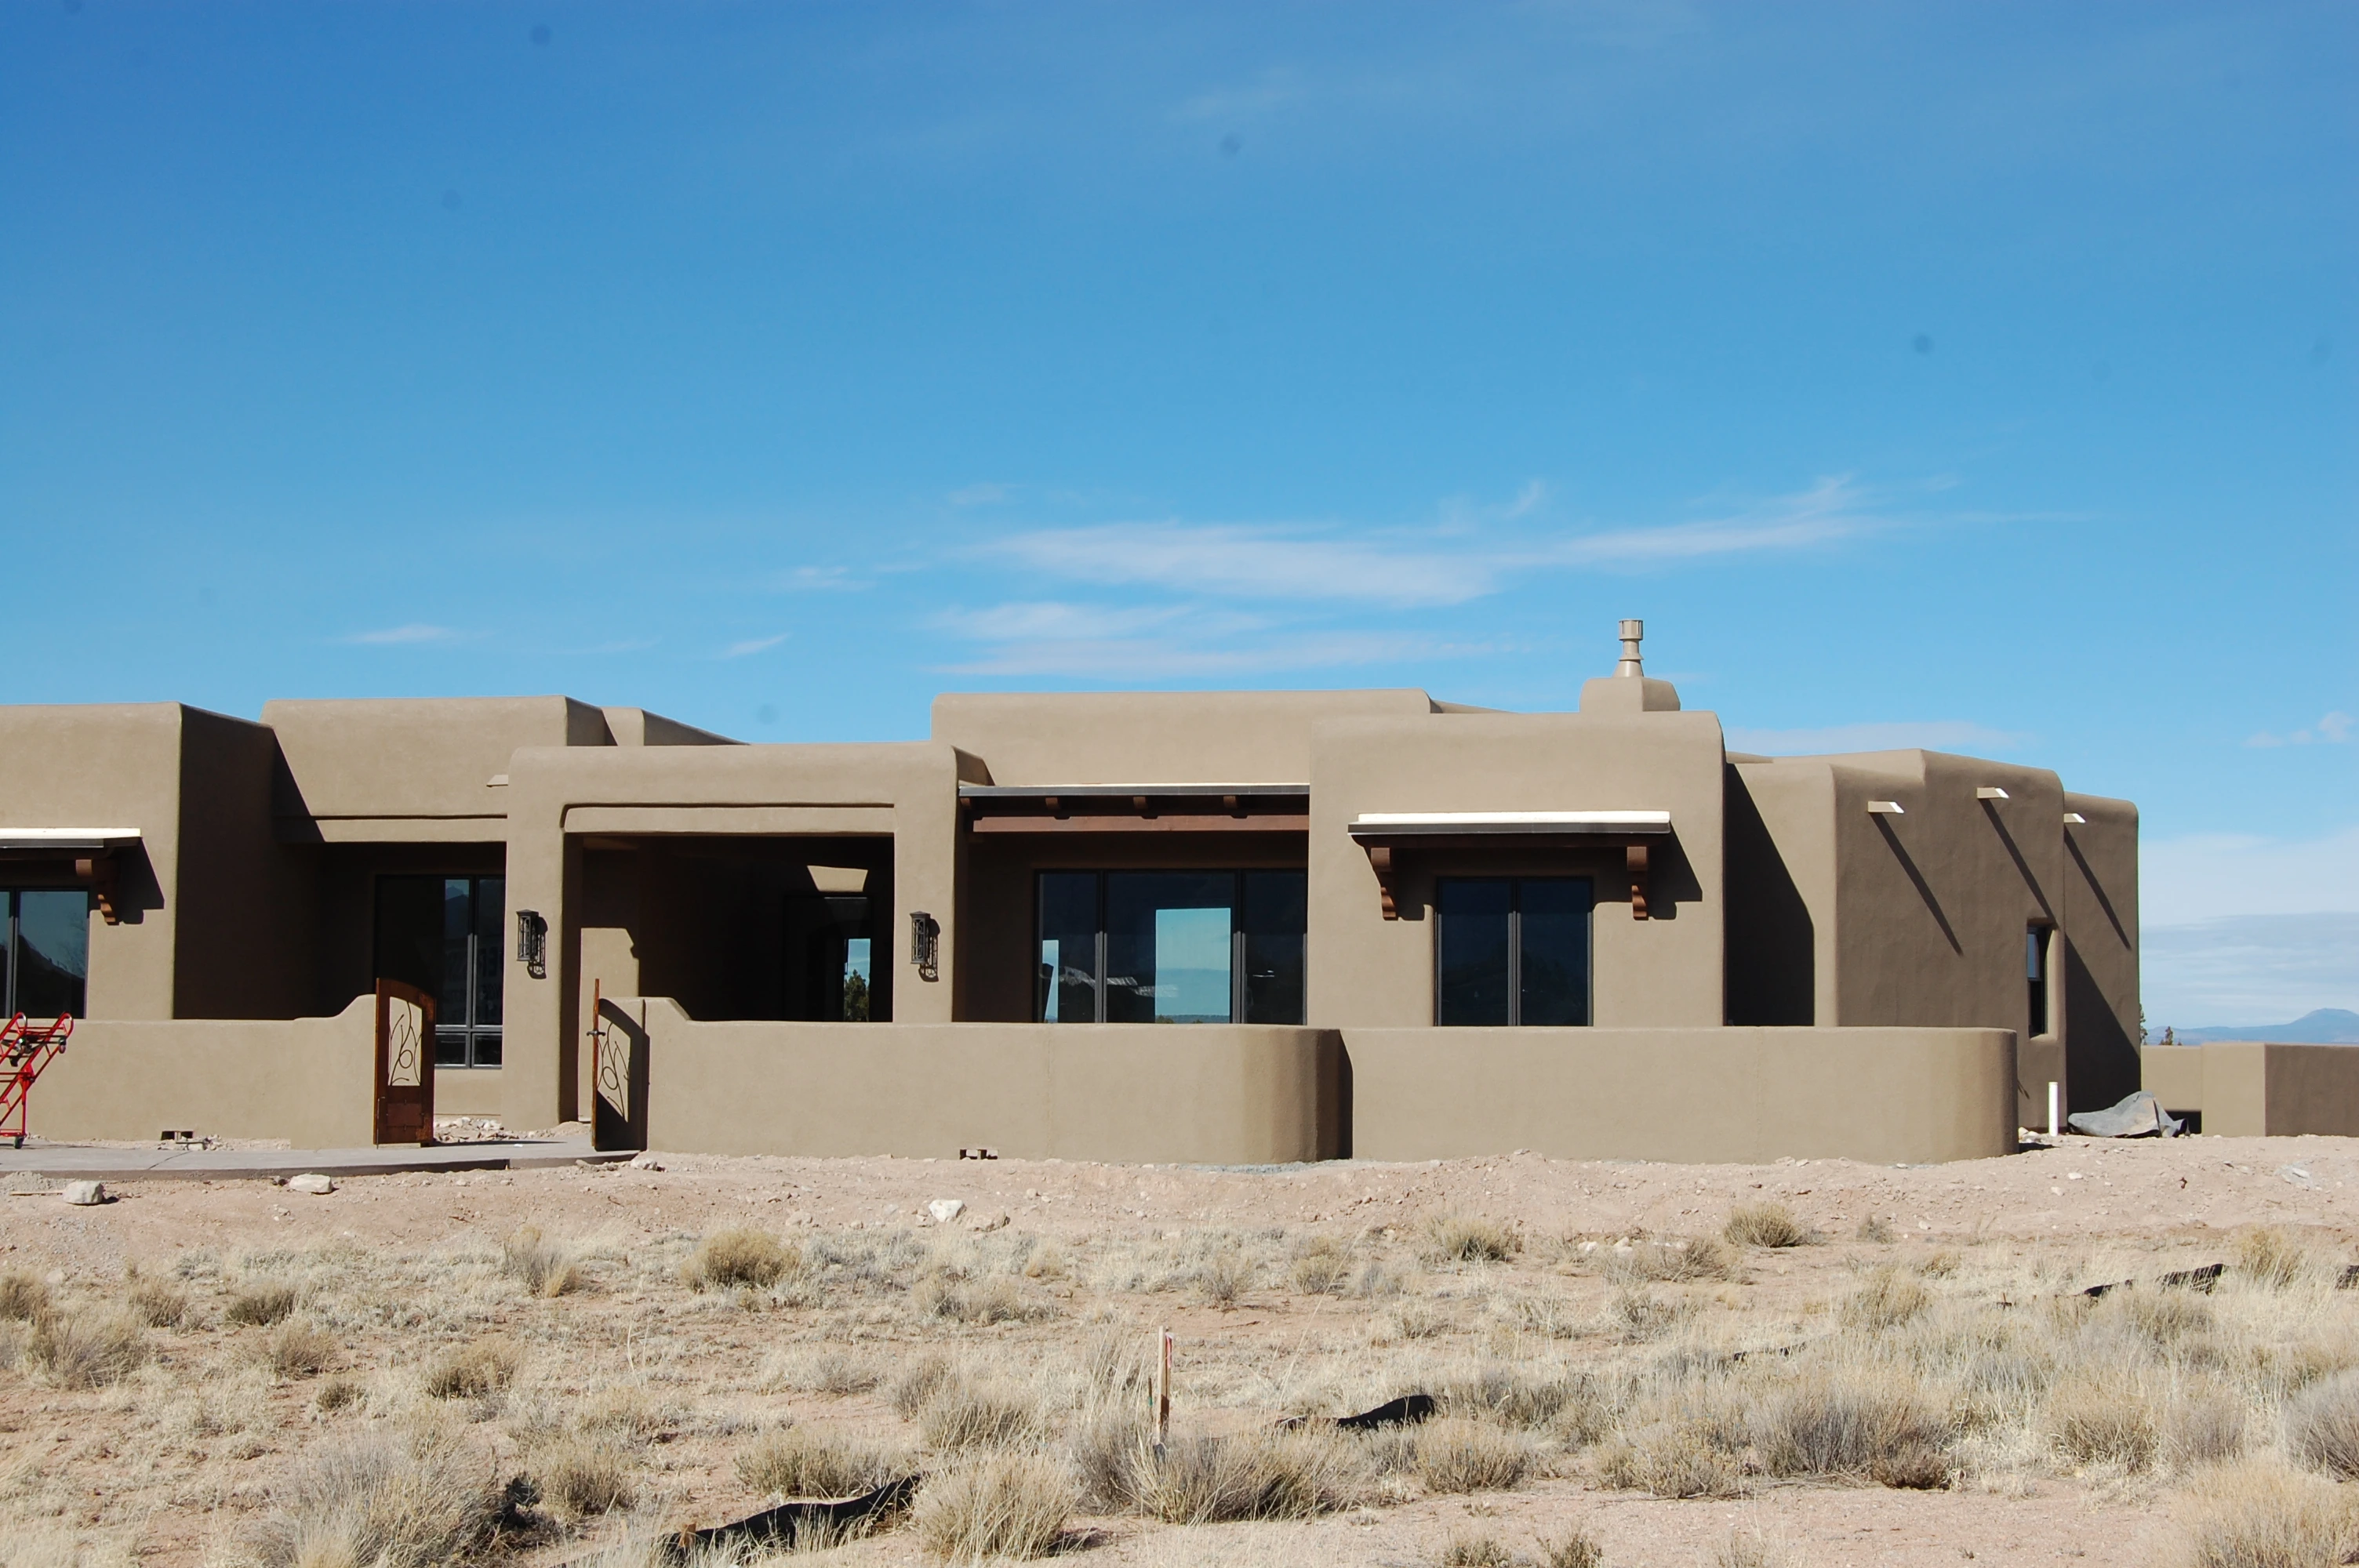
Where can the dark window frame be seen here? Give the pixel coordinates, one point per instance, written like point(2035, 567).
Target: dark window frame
point(480, 1047)
point(12, 949)
point(1514, 976)
point(2039, 977)
point(1240, 936)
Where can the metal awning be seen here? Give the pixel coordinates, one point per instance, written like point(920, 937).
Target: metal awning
point(62, 841)
point(1387, 834)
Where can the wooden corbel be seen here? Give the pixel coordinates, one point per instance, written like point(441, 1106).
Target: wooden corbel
point(99, 872)
point(1380, 860)
point(1635, 859)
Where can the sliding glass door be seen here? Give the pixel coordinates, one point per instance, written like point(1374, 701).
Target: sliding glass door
point(1512, 950)
point(1169, 947)
point(443, 936)
point(44, 953)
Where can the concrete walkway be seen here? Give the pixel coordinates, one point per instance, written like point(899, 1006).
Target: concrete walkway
point(81, 1163)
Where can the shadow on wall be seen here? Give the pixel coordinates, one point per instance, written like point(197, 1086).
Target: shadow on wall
point(619, 1100)
point(1772, 944)
point(1924, 888)
point(2104, 1064)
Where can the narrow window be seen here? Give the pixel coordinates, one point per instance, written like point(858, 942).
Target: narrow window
point(2034, 970)
point(1169, 947)
point(1512, 950)
point(827, 959)
point(44, 954)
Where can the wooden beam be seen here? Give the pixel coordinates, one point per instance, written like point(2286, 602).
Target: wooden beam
point(1634, 860)
point(1290, 823)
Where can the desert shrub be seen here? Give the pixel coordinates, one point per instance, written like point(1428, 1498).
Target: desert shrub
point(1224, 1275)
point(1887, 1300)
point(1876, 1228)
point(294, 1349)
point(1574, 1548)
point(917, 1382)
point(1502, 1393)
point(2259, 1515)
point(261, 1304)
point(1636, 1316)
point(2322, 1425)
point(1668, 1258)
point(1469, 1239)
point(160, 1302)
point(581, 1476)
point(960, 1415)
point(2271, 1257)
point(1938, 1265)
point(2092, 1422)
point(1454, 1455)
point(1477, 1551)
point(824, 1372)
point(473, 1371)
point(1005, 1505)
point(1843, 1424)
point(797, 1461)
point(1116, 1363)
point(86, 1349)
point(995, 1299)
point(338, 1393)
point(1743, 1551)
point(2203, 1425)
point(1249, 1475)
point(1765, 1224)
point(24, 1296)
point(1670, 1459)
point(1322, 1267)
point(2164, 1317)
point(739, 1258)
point(375, 1501)
point(543, 1267)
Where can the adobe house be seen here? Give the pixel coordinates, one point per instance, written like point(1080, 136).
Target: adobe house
point(1229, 926)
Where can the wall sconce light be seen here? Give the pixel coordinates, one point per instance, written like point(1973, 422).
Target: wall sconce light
point(926, 945)
point(532, 943)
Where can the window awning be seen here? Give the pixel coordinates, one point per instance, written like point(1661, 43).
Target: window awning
point(66, 840)
point(1386, 835)
point(86, 856)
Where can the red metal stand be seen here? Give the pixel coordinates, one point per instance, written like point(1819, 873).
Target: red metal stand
point(25, 1049)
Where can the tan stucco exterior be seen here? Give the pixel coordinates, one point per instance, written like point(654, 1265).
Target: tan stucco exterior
point(2252, 1088)
point(1861, 916)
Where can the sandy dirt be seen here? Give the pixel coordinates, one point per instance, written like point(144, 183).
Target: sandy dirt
point(2052, 1218)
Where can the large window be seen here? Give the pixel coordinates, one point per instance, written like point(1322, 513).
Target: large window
point(443, 936)
point(1512, 950)
point(45, 962)
point(828, 967)
point(2035, 973)
point(1170, 947)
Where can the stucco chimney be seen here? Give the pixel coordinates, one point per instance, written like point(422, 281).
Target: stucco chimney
point(1629, 689)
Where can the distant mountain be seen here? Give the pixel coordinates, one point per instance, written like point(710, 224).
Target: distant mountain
point(2327, 1026)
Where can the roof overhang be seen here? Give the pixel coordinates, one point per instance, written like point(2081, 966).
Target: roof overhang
point(68, 840)
point(1263, 807)
point(83, 856)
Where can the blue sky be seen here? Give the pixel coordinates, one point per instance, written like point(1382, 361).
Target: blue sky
point(1977, 376)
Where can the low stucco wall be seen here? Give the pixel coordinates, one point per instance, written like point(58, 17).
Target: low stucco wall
point(467, 1091)
point(2250, 1088)
point(303, 1079)
point(1736, 1096)
point(1202, 1094)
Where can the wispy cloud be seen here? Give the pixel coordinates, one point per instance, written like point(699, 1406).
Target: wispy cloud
point(415, 632)
point(753, 645)
point(2210, 875)
point(1298, 562)
point(1164, 658)
point(981, 493)
point(2333, 729)
point(1931, 735)
point(2248, 969)
point(820, 579)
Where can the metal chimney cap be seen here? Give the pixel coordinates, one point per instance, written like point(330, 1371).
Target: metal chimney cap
point(1632, 633)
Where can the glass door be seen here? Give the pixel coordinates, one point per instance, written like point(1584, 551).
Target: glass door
point(443, 936)
point(45, 957)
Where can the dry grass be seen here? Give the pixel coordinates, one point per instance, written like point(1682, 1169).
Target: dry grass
point(960, 1415)
point(1876, 1230)
point(1887, 1300)
point(994, 1299)
point(1224, 1276)
point(297, 1350)
point(920, 1381)
point(24, 1296)
point(338, 1393)
point(739, 1259)
point(2262, 1515)
point(1574, 1548)
point(1455, 1455)
point(1003, 1505)
point(2322, 1425)
point(1669, 1257)
point(1260, 1474)
point(87, 1349)
point(2093, 1421)
point(1847, 1423)
point(546, 1268)
point(260, 1306)
point(1765, 1224)
point(160, 1304)
point(475, 1371)
point(1322, 1267)
point(1670, 1459)
point(579, 1476)
point(2271, 1257)
point(798, 1462)
point(1470, 1239)
point(377, 1502)
point(1476, 1551)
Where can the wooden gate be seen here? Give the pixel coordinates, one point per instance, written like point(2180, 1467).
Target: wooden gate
point(405, 1064)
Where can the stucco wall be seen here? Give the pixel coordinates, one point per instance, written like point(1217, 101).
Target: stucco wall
point(1165, 737)
point(1706, 1095)
point(303, 1079)
point(2248, 1088)
point(2100, 966)
point(1367, 972)
point(1211, 1094)
point(402, 757)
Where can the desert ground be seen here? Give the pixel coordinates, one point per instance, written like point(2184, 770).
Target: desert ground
point(1815, 1362)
